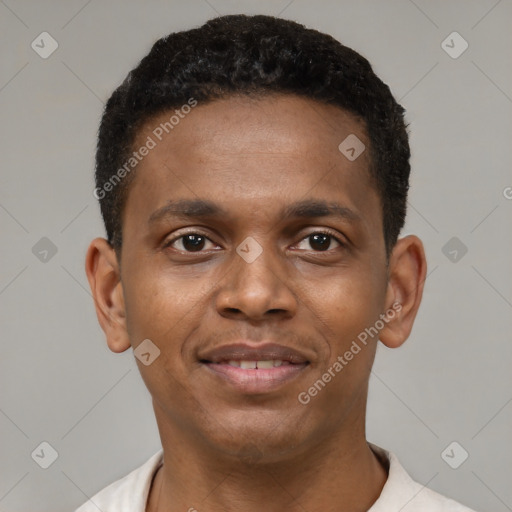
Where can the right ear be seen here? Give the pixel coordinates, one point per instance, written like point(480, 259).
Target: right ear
point(102, 269)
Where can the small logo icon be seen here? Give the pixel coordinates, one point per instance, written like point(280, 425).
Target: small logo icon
point(507, 192)
point(454, 455)
point(44, 45)
point(352, 147)
point(249, 249)
point(454, 249)
point(454, 45)
point(44, 250)
point(146, 352)
point(45, 455)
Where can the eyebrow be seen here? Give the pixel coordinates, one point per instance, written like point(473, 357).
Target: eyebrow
point(202, 208)
point(319, 208)
point(187, 208)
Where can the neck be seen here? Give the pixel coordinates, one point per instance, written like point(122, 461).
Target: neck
point(342, 475)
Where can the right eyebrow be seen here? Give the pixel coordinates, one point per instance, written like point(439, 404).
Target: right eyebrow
point(188, 209)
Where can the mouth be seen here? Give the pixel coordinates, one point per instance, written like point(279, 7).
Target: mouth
point(256, 365)
point(255, 369)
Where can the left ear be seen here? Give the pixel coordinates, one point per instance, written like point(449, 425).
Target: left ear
point(406, 277)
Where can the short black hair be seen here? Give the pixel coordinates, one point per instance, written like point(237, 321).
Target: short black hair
point(253, 55)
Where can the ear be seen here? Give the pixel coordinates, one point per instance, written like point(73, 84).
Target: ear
point(406, 277)
point(102, 269)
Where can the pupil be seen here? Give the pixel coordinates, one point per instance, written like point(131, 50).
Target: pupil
point(193, 242)
point(321, 240)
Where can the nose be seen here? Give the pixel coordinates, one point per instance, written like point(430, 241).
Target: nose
point(256, 290)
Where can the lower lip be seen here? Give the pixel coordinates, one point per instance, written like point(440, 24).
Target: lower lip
point(256, 381)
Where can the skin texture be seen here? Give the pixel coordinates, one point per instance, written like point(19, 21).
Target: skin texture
point(225, 449)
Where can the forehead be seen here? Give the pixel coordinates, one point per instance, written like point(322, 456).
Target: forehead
point(252, 154)
point(275, 124)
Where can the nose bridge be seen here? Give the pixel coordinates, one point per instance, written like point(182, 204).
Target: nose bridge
point(257, 262)
point(256, 282)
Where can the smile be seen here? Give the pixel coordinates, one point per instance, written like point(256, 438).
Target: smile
point(254, 368)
point(257, 365)
point(255, 377)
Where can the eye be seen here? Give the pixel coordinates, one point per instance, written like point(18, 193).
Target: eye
point(189, 242)
point(322, 240)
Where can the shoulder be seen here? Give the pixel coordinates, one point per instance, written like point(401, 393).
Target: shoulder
point(128, 494)
point(426, 499)
point(403, 493)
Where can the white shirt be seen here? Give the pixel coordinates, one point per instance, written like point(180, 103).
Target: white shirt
point(399, 494)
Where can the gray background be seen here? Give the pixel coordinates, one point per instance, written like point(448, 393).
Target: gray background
point(450, 382)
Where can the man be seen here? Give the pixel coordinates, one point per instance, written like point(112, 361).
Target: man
point(252, 176)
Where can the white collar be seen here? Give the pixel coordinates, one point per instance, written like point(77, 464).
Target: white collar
point(399, 494)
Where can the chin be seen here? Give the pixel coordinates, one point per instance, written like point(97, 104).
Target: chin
point(258, 437)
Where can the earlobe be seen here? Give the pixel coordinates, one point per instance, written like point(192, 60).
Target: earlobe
point(102, 269)
point(407, 273)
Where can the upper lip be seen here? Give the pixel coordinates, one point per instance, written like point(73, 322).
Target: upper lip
point(248, 352)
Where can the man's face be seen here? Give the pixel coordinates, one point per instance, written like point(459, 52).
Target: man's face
point(306, 292)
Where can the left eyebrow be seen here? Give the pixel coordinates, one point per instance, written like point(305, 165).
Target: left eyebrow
point(319, 208)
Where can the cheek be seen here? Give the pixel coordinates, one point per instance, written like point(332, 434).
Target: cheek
point(342, 314)
point(347, 301)
point(358, 336)
point(162, 308)
point(344, 308)
point(158, 302)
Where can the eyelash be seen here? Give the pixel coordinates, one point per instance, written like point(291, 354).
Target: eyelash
point(323, 231)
